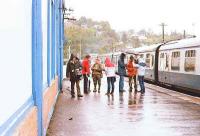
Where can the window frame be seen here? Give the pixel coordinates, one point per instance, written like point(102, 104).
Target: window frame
point(176, 55)
point(149, 58)
point(164, 61)
point(190, 53)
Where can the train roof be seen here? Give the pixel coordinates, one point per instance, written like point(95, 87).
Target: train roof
point(185, 43)
point(179, 44)
point(150, 48)
point(109, 54)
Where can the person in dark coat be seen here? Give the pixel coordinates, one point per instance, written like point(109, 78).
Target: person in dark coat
point(136, 58)
point(67, 68)
point(78, 73)
point(71, 73)
point(121, 72)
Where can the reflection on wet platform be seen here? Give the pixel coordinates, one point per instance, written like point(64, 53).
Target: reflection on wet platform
point(152, 114)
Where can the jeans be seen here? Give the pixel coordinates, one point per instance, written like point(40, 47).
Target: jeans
point(141, 82)
point(121, 83)
point(111, 81)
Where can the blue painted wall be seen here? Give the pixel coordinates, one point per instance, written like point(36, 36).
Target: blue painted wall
point(55, 40)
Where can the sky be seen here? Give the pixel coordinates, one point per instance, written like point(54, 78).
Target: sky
point(139, 14)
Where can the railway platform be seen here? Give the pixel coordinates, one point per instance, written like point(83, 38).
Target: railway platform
point(159, 112)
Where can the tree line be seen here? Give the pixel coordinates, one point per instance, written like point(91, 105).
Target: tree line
point(88, 36)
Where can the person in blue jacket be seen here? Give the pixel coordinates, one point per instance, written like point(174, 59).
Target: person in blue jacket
point(121, 71)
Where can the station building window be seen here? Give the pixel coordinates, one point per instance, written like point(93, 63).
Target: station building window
point(175, 62)
point(190, 59)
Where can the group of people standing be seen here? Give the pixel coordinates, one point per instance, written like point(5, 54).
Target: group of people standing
point(76, 71)
point(135, 68)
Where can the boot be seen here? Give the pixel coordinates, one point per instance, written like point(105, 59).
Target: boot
point(108, 92)
point(80, 95)
point(136, 90)
point(95, 90)
point(130, 89)
point(99, 90)
point(112, 92)
point(73, 96)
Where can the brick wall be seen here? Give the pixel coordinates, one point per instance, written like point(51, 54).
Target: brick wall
point(28, 126)
point(49, 101)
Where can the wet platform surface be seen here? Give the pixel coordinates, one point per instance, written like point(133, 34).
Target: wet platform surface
point(156, 113)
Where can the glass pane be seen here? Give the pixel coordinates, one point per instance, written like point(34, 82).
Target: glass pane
point(167, 61)
point(148, 63)
point(175, 64)
point(162, 55)
point(189, 64)
point(152, 62)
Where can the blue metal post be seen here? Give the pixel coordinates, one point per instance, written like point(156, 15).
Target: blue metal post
point(57, 35)
point(49, 43)
point(53, 34)
point(61, 44)
point(37, 78)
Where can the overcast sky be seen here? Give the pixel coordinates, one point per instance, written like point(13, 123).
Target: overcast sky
point(138, 14)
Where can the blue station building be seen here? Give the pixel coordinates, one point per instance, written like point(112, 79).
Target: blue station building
point(31, 41)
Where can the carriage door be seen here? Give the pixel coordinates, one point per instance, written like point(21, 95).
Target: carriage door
point(166, 67)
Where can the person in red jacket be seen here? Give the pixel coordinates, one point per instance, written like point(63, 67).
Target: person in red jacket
point(86, 73)
point(132, 72)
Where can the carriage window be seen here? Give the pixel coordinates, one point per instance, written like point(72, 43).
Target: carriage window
point(190, 56)
point(148, 60)
point(162, 55)
point(152, 60)
point(161, 67)
point(141, 55)
point(164, 62)
point(115, 60)
point(175, 62)
point(167, 61)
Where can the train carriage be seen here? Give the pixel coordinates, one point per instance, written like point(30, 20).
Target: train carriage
point(148, 53)
point(173, 64)
point(179, 65)
point(113, 56)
